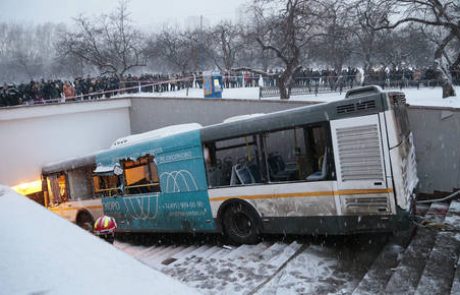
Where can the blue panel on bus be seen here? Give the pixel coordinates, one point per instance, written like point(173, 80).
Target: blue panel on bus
point(183, 203)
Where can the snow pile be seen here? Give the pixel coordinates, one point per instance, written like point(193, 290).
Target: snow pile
point(42, 253)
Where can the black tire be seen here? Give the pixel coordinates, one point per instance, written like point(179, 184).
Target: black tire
point(241, 224)
point(85, 221)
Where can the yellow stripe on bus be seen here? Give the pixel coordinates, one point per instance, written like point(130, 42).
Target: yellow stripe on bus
point(305, 194)
point(75, 208)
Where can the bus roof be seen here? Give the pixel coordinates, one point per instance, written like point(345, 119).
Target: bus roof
point(370, 103)
point(70, 164)
point(154, 134)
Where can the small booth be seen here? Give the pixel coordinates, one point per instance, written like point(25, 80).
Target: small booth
point(212, 85)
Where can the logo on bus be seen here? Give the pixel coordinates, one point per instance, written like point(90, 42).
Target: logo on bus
point(112, 207)
point(178, 181)
point(142, 208)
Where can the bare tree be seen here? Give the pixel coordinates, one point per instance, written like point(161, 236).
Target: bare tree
point(285, 28)
point(335, 45)
point(229, 44)
point(27, 52)
point(367, 14)
point(110, 43)
point(442, 14)
point(173, 46)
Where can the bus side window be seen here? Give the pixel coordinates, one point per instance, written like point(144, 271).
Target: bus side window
point(285, 154)
point(298, 154)
point(141, 175)
point(80, 183)
point(235, 161)
point(107, 185)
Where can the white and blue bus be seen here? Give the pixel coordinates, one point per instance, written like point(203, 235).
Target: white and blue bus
point(333, 168)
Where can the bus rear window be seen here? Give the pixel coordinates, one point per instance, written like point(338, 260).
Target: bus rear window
point(57, 189)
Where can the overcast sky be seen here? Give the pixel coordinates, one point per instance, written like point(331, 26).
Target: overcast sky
point(144, 12)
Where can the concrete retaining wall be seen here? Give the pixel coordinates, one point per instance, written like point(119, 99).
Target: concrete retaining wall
point(437, 147)
point(152, 113)
point(32, 136)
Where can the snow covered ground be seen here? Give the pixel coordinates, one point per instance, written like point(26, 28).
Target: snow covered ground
point(418, 97)
point(41, 253)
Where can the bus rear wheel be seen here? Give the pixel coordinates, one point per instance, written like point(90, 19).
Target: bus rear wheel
point(85, 221)
point(240, 224)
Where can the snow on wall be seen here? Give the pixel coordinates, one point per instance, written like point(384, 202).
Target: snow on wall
point(37, 135)
point(41, 253)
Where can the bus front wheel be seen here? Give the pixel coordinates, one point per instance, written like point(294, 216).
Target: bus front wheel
point(85, 221)
point(240, 224)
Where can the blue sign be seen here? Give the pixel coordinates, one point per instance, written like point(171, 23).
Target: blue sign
point(212, 85)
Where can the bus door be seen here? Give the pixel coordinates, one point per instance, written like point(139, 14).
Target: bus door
point(108, 186)
point(359, 152)
point(58, 195)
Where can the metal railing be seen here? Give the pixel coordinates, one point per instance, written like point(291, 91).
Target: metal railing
point(301, 86)
point(319, 87)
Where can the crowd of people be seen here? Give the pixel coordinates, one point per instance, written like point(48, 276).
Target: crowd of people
point(44, 91)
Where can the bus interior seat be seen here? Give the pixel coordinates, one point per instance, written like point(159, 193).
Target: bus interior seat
point(254, 169)
point(215, 176)
point(227, 165)
point(279, 171)
point(321, 174)
point(241, 174)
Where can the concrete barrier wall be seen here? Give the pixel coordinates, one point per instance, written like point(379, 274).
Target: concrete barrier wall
point(437, 147)
point(152, 113)
point(33, 136)
point(436, 130)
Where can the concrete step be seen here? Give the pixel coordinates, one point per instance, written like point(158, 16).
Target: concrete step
point(438, 275)
point(184, 252)
point(455, 290)
point(219, 255)
point(407, 274)
point(188, 256)
point(381, 270)
point(305, 273)
point(147, 252)
point(156, 260)
point(355, 257)
point(209, 252)
point(272, 250)
point(241, 271)
point(278, 260)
